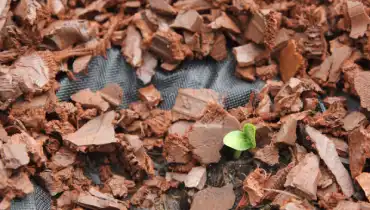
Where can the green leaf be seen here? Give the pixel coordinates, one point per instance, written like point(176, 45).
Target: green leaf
point(249, 131)
point(237, 141)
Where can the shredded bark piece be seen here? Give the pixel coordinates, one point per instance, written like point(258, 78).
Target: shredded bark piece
point(207, 37)
point(246, 54)
point(4, 9)
point(304, 177)
point(256, 28)
point(268, 154)
point(328, 101)
point(344, 205)
point(205, 136)
point(350, 70)
point(265, 103)
point(287, 133)
point(98, 131)
point(315, 45)
point(146, 71)
point(325, 178)
point(276, 182)
point(28, 11)
point(330, 197)
point(89, 99)
point(150, 95)
point(359, 19)
point(158, 182)
point(331, 119)
point(61, 127)
point(158, 122)
point(176, 149)
point(288, 98)
point(14, 155)
point(328, 73)
point(176, 176)
point(145, 196)
point(180, 127)
point(254, 184)
point(273, 21)
point(132, 47)
point(288, 54)
point(168, 46)
point(34, 146)
point(197, 178)
point(67, 199)
point(162, 7)
point(192, 4)
point(65, 33)
point(32, 113)
point(21, 185)
point(63, 158)
point(189, 20)
point(363, 181)
point(112, 93)
point(134, 158)
point(263, 136)
point(52, 183)
point(226, 23)
point(79, 180)
point(183, 168)
point(219, 50)
point(97, 200)
point(81, 64)
point(295, 204)
point(359, 151)
point(144, 27)
point(127, 117)
point(310, 103)
point(329, 155)
point(120, 186)
point(214, 198)
point(353, 120)
point(151, 143)
point(190, 103)
point(267, 72)
point(246, 73)
point(105, 172)
point(364, 205)
point(361, 85)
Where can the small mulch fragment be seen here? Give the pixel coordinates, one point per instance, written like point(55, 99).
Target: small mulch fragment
point(304, 177)
point(214, 198)
point(89, 99)
point(205, 136)
point(150, 95)
point(254, 185)
point(190, 103)
point(329, 155)
point(197, 178)
point(98, 131)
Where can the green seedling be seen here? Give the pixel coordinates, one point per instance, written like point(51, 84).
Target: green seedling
point(241, 140)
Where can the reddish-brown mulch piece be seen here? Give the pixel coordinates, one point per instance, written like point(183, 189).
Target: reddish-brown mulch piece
point(254, 185)
point(190, 103)
point(304, 177)
point(328, 153)
point(150, 95)
point(359, 150)
point(205, 136)
point(214, 198)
